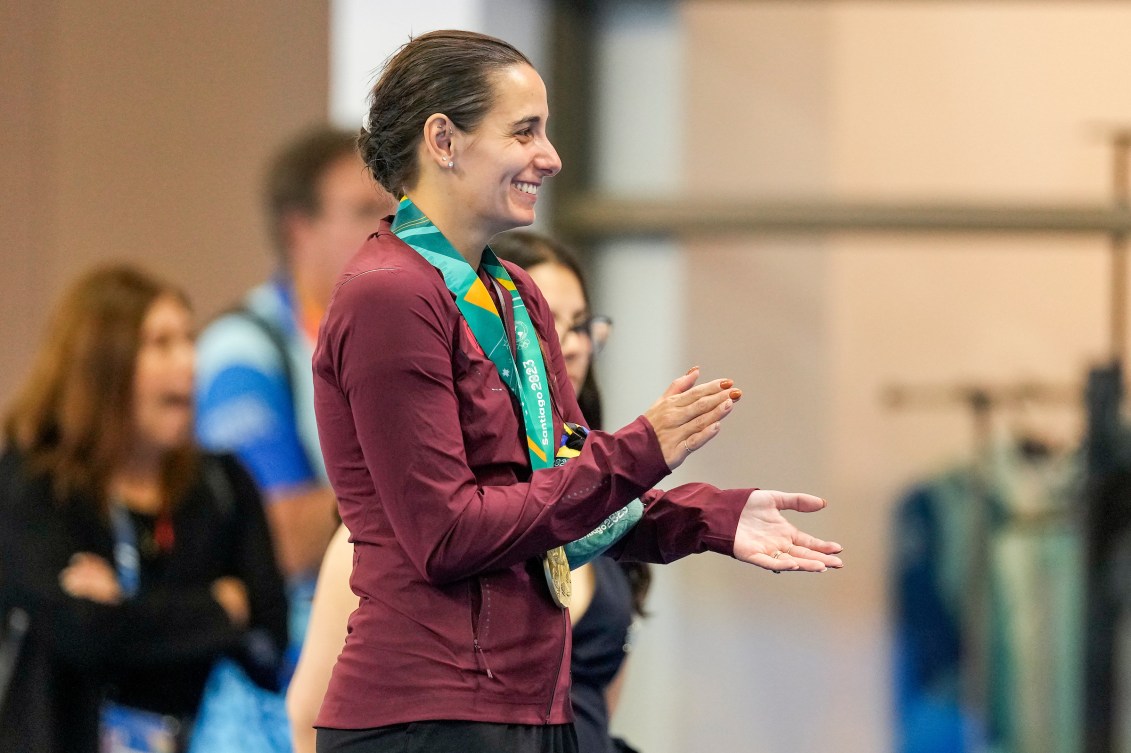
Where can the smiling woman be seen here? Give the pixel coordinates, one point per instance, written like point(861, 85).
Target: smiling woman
point(475, 166)
point(446, 413)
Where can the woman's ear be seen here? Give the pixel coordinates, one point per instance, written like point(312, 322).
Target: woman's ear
point(438, 140)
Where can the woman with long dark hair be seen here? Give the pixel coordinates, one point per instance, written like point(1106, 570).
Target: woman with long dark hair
point(138, 559)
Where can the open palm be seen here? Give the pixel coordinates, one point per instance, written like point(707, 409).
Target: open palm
point(766, 539)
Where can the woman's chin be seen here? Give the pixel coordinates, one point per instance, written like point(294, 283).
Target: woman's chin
point(165, 441)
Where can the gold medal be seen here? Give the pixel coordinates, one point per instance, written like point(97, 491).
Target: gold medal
point(555, 562)
point(557, 575)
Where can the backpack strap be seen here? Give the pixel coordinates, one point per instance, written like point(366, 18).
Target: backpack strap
point(278, 340)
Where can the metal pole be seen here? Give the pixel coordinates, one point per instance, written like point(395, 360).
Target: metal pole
point(1122, 194)
point(595, 215)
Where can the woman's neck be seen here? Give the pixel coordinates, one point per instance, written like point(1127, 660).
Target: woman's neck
point(446, 216)
point(137, 483)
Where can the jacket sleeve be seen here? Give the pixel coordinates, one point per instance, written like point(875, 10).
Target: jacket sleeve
point(387, 348)
point(689, 519)
point(255, 562)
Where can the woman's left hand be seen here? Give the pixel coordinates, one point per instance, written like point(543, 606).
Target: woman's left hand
point(89, 576)
point(766, 539)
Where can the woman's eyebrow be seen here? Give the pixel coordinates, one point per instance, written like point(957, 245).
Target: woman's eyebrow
point(529, 120)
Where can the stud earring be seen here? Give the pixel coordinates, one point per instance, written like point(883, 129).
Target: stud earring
point(451, 164)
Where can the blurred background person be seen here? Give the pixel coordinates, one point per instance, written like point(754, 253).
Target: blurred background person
point(254, 388)
point(139, 559)
point(606, 596)
point(333, 603)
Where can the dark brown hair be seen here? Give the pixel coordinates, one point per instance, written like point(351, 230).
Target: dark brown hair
point(73, 418)
point(293, 179)
point(528, 249)
point(449, 72)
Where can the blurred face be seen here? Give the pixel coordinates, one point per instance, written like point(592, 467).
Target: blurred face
point(162, 394)
point(563, 293)
point(351, 206)
point(502, 164)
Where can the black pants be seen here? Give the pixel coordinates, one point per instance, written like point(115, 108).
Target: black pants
point(450, 737)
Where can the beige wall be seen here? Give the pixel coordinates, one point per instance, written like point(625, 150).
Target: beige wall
point(901, 101)
point(138, 130)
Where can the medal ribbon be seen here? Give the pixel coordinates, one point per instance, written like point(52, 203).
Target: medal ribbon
point(613, 528)
point(528, 383)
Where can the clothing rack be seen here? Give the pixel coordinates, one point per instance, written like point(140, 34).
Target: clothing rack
point(982, 401)
point(1106, 512)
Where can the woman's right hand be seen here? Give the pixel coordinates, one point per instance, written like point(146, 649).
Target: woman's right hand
point(231, 593)
point(88, 576)
point(687, 416)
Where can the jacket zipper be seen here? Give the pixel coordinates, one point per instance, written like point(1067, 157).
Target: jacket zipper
point(476, 613)
point(557, 673)
point(482, 654)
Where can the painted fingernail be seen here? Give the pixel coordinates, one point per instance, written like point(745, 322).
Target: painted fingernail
point(693, 368)
point(736, 395)
point(726, 384)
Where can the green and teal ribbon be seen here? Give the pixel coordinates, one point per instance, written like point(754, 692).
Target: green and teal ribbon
point(526, 380)
point(596, 542)
point(528, 383)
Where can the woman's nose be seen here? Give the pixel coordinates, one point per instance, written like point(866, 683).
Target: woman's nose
point(548, 162)
point(574, 344)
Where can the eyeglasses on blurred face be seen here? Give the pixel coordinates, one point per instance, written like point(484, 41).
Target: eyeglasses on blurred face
point(596, 329)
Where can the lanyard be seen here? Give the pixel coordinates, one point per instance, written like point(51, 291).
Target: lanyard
point(526, 379)
point(127, 561)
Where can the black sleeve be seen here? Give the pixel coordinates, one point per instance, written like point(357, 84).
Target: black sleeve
point(38, 536)
point(255, 562)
